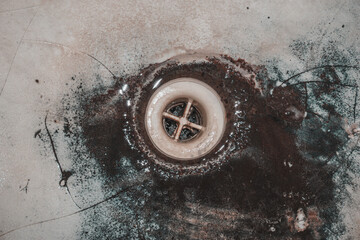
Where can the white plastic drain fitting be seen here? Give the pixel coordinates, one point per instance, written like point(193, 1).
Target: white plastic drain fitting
point(197, 96)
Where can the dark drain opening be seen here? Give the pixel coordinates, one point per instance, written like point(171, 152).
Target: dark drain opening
point(171, 126)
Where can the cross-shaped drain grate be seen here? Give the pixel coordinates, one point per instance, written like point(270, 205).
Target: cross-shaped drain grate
point(182, 120)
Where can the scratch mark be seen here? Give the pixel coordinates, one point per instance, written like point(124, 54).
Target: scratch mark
point(64, 174)
point(37, 133)
point(52, 144)
point(25, 189)
point(77, 212)
point(18, 9)
point(100, 63)
point(329, 83)
point(17, 49)
point(75, 51)
point(314, 68)
point(355, 102)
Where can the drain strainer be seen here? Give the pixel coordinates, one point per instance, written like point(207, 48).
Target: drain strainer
point(182, 120)
point(185, 119)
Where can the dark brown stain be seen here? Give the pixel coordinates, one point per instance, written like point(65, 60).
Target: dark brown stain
point(258, 190)
point(265, 176)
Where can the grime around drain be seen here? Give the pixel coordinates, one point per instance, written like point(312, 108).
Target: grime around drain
point(270, 177)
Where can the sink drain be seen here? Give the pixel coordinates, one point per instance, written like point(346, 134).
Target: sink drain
point(185, 119)
point(187, 112)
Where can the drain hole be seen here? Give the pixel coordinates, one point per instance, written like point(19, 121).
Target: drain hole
point(187, 134)
point(177, 109)
point(171, 126)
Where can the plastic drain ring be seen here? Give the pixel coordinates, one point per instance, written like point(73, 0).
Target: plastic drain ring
point(197, 95)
